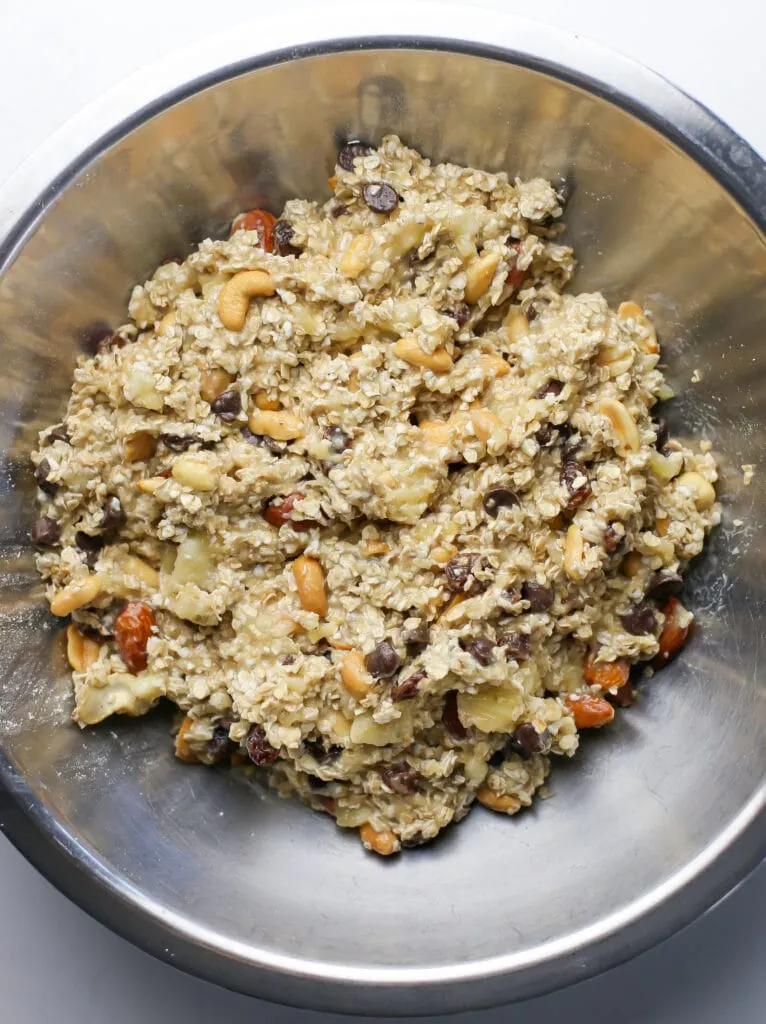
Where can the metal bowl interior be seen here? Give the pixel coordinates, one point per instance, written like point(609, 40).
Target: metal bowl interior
point(656, 817)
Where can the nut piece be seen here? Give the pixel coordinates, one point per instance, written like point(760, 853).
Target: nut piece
point(131, 565)
point(281, 426)
point(234, 299)
point(139, 446)
point(355, 676)
point(574, 551)
point(309, 579)
point(623, 425)
point(589, 712)
point(665, 467)
point(384, 843)
point(81, 651)
point(192, 472)
point(263, 401)
point(516, 324)
point(703, 493)
point(497, 801)
point(213, 383)
point(606, 675)
point(76, 595)
point(183, 751)
point(632, 311)
point(675, 631)
point(357, 255)
point(632, 564)
point(439, 361)
point(436, 431)
point(480, 275)
point(166, 323)
point(132, 629)
point(493, 366)
point(485, 424)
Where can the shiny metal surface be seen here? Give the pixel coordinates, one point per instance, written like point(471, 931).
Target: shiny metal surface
point(655, 819)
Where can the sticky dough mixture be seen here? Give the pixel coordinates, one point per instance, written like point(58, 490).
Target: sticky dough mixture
point(389, 517)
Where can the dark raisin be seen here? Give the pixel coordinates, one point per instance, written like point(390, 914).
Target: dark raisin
point(315, 782)
point(400, 778)
point(59, 433)
point(89, 544)
point(663, 584)
point(575, 478)
point(382, 661)
point(219, 746)
point(663, 434)
point(180, 442)
point(416, 640)
point(525, 740)
point(258, 747)
point(338, 438)
point(113, 517)
point(263, 441)
point(227, 405)
point(612, 539)
point(623, 697)
point(498, 758)
point(539, 596)
point(480, 648)
point(41, 477)
point(639, 620)
point(517, 646)
point(499, 497)
point(461, 574)
point(409, 687)
point(450, 717)
point(553, 387)
point(415, 840)
point(321, 753)
point(283, 239)
point(338, 209)
point(45, 532)
point(379, 196)
point(352, 151)
point(461, 313)
point(109, 343)
point(546, 435)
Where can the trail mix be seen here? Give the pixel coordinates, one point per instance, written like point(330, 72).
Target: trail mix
point(373, 500)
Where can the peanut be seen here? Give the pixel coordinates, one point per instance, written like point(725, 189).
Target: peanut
point(355, 676)
point(139, 446)
point(81, 651)
point(516, 324)
point(408, 349)
point(133, 566)
point(166, 323)
point(263, 401)
point(574, 550)
point(485, 423)
point(234, 299)
point(384, 843)
point(479, 276)
point(501, 802)
point(623, 425)
point(357, 255)
point(494, 366)
point(151, 484)
point(310, 581)
point(702, 492)
point(213, 383)
point(606, 675)
point(589, 712)
point(76, 595)
point(192, 472)
point(279, 425)
point(375, 547)
point(436, 431)
point(442, 553)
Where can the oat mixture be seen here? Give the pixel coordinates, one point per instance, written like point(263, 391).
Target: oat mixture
point(373, 501)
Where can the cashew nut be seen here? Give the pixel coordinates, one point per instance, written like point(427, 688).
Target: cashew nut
point(408, 349)
point(234, 300)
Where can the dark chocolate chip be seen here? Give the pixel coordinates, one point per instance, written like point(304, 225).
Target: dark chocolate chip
point(227, 405)
point(321, 753)
point(553, 387)
point(639, 620)
point(416, 640)
point(461, 570)
point(450, 717)
point(539, 596)
point(499, 497)
point(409, 687)
point(663, 434)
point(45, 532)
point(41, 477)
point(283, 239)
point(525, 740)
point(338, 438)
point(382, 661)
point(59, 433)
point(220, 746)
point(663, 584)
point(352, 151)
point(380, 197)
point(480, 648)
point(113, 518)
point(623, 697)
point(517, 646)
point(263, 441)
point(400, 778)
point(90, 545)
point(259, 749)
point(180, 442)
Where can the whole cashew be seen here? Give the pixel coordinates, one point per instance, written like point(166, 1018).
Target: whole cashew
point(234, 300)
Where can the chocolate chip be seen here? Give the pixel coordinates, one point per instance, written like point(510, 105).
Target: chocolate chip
point(517, 646)
point(259, 749)
point(450, 717)
point(283, 239)
point(321, 753)
point(416, 640)
point(639, 620)
point(461, 313)
point(499, 497)
point(180, 442)
point(338, 209)
point(315, 782)
point(480, 648)
point(409, 687)
point(379, 196)
point(220, 746)
point(382, 661)
point(623, 697)
point(113, 518)
point(553, 387)
point(575, 478)
point(539, 596)
point(351, 152)
point(90, 545)
point(663, 434)
point(41, 477)
point(498, 758)
point(460, 573)
point(400, 778)
point(263, 441)
point(227, 405)
point(546, 435)
point(338, 438)
point(59, 433)
point(663, 584)
point(612, 539)
point(45, 532)
point(525, 740)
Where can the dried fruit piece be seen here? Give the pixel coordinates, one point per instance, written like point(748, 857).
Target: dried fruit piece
point(675, 632)
point(132, 629)
point(575, 478)
point(409, 687)
point(113, 518)
point(460, 573)
point(259, 749)
point(623, 697)
point(46, 532)
point(284, 233)
point(450, 717)
point(480, 648)
point(589, 712)
point(612, 538)
point(606, 675)
point(281, 512)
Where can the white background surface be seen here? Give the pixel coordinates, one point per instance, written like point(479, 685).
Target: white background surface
point(59, 967)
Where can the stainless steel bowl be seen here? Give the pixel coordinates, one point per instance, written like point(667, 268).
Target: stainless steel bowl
point(655, 819)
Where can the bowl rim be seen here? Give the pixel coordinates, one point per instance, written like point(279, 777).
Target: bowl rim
point(66, 861)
